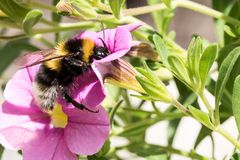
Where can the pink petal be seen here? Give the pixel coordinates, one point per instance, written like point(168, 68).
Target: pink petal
point(101, 69)
point(18, 90)
point(86, 132)
point(48, 145)
point(88, 90)
point(133, 26)
point(118, 42)
point(15, 137)
point(18, 124)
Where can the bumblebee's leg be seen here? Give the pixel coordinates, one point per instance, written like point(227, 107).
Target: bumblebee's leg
point(69, 99)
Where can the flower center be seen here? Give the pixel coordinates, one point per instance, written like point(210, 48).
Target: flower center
point(58, 118)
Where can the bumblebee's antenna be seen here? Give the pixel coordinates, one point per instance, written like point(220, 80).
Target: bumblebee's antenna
point(103, 29)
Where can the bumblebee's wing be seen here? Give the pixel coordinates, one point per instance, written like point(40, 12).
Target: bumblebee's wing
point(29, 58)
point(38, 57)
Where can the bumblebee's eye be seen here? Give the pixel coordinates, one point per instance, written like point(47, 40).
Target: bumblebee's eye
point(100, 52)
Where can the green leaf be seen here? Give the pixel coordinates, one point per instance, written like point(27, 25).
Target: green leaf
point(178, 67)
point(207, 59)
point(116, 7)
point(167, 3)
point(13, 49)
point(85, 9)
point(195, 50)
point(200, 116)
point(236, 101)
point(31, 19)
point(224, 73)
point(14, 11)
point(161, 49)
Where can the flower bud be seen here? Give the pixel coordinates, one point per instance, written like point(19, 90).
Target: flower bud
point(122, 74)
point(66, 9)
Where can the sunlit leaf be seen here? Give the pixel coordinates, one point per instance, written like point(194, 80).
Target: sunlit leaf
point(31, 19)
point(206, 62)
point(161, 48)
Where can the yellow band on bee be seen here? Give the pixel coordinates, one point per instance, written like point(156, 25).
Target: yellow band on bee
point(88, 46)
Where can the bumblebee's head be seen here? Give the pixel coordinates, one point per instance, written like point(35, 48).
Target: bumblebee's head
point(100, 52)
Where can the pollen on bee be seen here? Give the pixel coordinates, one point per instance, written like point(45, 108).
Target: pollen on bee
point(58, 118)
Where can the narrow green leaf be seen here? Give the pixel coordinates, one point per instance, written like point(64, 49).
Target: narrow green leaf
point(14, 11)
point(207, 59)
point(161, 49)
point(194, 53)
point(201, 116)
point(31, 19)
point(224, 73)
point(236, 101)
point(178, 67)
point(167, 3)
point(116, 7)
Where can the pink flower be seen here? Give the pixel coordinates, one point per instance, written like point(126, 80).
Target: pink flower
point(118, 42)
point(23, 126)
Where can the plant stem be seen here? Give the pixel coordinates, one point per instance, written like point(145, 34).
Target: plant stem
point(225, 134)
point(66, 27)
point(208, 106)
point(205, 10)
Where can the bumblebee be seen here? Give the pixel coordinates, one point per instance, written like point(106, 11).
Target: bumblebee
point(60, 66)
